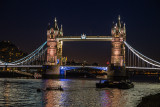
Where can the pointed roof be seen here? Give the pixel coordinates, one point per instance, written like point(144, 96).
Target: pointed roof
point(119, 21)
point(61, 28)
point(48, 28)
point(116, 24)
point(113, 25)
point(55, 24)
point(124, 27)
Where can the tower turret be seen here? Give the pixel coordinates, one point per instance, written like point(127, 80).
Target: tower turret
point(124, 28)
point(54, 45)
point(119, 21)
point(61, 30)
point(116, 25)
point(48, 30)
point(55, 24)
point(56, 29)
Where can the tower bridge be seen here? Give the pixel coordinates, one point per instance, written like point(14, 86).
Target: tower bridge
point(55, 40)
point(123, 55)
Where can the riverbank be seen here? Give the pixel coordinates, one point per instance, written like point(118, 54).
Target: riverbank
point(9, 74)
point(150, 101)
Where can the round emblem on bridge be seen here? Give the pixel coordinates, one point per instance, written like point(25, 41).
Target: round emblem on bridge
point(83, 36)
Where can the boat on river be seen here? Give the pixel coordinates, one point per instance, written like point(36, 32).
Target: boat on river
point(115, 84)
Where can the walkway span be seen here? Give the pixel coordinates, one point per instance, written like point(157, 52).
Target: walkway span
point(88, 38)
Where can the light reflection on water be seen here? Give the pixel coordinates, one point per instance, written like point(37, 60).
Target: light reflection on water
point(77, 93)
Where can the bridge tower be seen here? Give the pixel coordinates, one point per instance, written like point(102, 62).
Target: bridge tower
point(117, 68)
point(54, 50)
point(54, 46)
point(118, 33)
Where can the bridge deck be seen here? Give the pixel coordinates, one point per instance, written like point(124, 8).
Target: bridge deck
point(142, 68)
point(21, 66)
point(39, 66)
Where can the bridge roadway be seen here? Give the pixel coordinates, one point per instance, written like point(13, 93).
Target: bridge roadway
point(142, 68)
point(87, 38)
point(64, 67)
point(94, 67)
point(22, 66)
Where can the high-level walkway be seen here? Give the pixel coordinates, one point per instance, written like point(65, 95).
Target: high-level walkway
point(88, 38)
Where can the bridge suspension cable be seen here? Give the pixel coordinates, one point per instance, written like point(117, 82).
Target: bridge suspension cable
point(29, 58)
point(144, 59)
point(31, 54)
point(33, 57)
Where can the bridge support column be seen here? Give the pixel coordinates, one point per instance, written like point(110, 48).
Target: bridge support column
point(52, 71)
point(54, 51)
point(116, 73)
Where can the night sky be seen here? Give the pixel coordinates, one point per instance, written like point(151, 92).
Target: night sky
point(24, 22)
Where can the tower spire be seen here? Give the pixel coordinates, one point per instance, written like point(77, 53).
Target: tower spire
point(124, 27)
point(119, 21)
point(61, 28)
point(113, 25)
point(55, 24)
point(116, 24)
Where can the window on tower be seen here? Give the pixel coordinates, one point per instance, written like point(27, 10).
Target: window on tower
point(51, 36)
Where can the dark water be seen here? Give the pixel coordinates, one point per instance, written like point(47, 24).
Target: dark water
point(77, 93)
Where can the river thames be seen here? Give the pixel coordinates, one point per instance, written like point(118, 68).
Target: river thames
point(77, 93)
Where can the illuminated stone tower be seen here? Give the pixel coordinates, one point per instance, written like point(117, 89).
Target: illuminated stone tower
point(118, 33)
point(54, 46)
